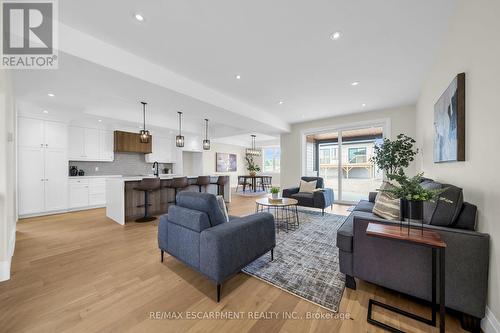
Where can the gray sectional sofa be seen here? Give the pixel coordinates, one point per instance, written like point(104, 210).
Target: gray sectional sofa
point(407, 269)
point(195, 231)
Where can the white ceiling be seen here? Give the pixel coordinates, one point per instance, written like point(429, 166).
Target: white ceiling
point(281, 49)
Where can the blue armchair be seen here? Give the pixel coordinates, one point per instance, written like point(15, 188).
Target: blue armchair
point(195, 232)
point(322, 198)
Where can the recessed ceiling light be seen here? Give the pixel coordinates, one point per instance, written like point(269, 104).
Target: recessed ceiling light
point(50, 94)
point(363, 105)
point(139, 17)
point(99, 120)
point(45, 111)
point(281, 102)
point(355, 83)
point(237, 76)
point(336, 35)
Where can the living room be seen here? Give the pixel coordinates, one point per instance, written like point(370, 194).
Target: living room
point(340, 148)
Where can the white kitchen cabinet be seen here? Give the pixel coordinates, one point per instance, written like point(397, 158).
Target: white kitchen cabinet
point(193, 143)
point(87, 192)
point(42, 166)
point(31, 132)
point(90, 144)
point(56, 179)
point(31, 180)
point(76, 140)
point(106, 146)
point(78, 193)
point(162, 150)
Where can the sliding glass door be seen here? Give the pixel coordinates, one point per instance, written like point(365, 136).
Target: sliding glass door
point(343, 159)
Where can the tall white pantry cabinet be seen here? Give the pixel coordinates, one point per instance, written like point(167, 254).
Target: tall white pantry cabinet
point(42, 166)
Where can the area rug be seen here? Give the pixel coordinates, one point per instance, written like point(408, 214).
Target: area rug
point(306, 261)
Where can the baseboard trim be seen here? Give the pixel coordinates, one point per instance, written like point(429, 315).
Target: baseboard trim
point(490, 323)
point(5, 270)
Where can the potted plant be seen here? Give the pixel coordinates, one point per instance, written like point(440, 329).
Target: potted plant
point(393, 156)
point(412, 195)
point(275, 191)
point(252, 167)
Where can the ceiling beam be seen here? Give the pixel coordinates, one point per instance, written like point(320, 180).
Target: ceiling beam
point(97, 51)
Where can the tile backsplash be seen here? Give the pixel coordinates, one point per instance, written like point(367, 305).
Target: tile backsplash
point(126, 164)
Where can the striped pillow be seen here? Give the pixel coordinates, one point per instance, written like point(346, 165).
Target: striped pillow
point(386, 205)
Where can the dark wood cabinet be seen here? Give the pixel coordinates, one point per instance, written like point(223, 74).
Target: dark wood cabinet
point(127, 142)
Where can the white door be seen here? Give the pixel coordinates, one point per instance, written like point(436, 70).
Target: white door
point(78, 194)
point(30, 132)
point(56, 135)
point(31, 180)
point(106, 145)
point(76, 138)
point(56, 179)
point(92, 144)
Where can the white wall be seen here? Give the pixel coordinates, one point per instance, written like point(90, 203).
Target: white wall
point(209, 161)
point(471, 46)
point(8, 209)
point(402, 120)
point(192, 163)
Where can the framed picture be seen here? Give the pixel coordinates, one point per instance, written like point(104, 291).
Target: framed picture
point(225, 162)
point(449, 123)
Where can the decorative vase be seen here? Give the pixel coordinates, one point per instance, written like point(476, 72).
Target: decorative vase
point(253, 173)
point(413, 211)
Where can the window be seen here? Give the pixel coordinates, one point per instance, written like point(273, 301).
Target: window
point(328, 154)
point(272, 159)
point(357, 155)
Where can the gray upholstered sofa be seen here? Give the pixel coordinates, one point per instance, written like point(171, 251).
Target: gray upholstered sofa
point(407, 269)
point(195, 231)
point(318, 199)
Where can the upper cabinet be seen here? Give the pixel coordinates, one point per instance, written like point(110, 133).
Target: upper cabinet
point(162, 150)
point(193, 143)
point(90, 144)
point(42, 133)
point(127, 142)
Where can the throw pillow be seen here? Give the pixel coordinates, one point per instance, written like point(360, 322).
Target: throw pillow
point(386, 205)
point(307, 187)
point(222, 206)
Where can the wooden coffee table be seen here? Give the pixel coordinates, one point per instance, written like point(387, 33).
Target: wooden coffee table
point(286, 215)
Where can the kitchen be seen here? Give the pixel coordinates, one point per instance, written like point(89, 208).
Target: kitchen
point(66, 166)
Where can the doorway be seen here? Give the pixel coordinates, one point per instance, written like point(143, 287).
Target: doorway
point(342, 157)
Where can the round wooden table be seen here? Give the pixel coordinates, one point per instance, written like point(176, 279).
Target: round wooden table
point(286, 215)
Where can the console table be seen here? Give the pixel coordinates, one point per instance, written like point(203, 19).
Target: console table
point(417, 237)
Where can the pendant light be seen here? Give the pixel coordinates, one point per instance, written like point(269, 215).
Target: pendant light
point(253, 151)
point(179, 139)
point(206, 142)
point(144, 133)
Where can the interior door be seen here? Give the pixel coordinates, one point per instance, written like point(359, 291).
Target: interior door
point(56, 180)
point(31, 180)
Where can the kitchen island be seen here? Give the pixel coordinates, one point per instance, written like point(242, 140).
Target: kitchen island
point(122, 200)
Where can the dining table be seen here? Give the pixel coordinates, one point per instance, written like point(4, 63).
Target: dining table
point(253, 181)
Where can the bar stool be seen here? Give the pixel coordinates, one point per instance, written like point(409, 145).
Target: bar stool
point(221, 181)
point(202, 181)
point(177, 184)
point(147, 185)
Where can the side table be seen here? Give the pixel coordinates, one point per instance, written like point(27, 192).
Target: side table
point(417, 237)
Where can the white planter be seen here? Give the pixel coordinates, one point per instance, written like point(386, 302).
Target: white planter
point(275, 195)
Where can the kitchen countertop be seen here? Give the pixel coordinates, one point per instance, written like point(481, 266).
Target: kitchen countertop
point(100, 176)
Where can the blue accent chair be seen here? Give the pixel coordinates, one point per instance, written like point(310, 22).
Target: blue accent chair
point(195, 231)
point(319, 199)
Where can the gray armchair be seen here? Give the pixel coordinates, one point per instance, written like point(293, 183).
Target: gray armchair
point(195, 232)
point(318, 199)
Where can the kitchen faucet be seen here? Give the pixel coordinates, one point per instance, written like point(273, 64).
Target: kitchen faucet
point(155, 167)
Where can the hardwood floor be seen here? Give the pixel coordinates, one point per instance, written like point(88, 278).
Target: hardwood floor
point(80, 272)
